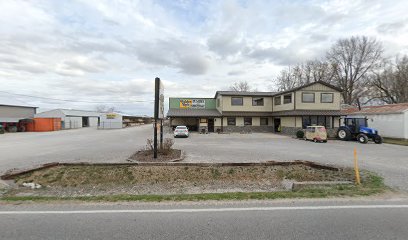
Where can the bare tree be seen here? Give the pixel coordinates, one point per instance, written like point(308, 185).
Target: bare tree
point(353, 59)
point(105, 109)
point(390, 82)
point(242, 86)
point(304, 73)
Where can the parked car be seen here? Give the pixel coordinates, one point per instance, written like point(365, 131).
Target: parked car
point(181, 131)
point(316, 134)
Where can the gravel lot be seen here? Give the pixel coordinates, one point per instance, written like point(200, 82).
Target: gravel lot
point(21, 150)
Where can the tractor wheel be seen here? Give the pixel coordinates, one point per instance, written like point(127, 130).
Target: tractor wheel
point(344, 134)
point(362, 138)
point(378, 139)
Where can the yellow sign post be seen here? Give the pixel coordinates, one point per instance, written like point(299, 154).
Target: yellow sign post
point(357, 172)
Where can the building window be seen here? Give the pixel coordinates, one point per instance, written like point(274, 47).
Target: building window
point(264, 121)
point(308, 97)
point(218, 102)
point(237, 101)
point(287, 99)
point(277, 100)
point(231, 121)
point(325, 121)
point(203, 120)
point(257, 101)
point(247, 121)
point(326, 98)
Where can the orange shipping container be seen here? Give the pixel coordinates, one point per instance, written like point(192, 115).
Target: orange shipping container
point(44, 125)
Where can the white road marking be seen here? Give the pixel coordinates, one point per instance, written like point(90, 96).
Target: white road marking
point(198, 210)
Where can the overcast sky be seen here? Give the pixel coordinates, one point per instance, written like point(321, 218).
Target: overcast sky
point(111, 51)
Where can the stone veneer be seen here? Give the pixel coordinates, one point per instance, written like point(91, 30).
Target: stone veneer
point(291, 131)
point(246, 128)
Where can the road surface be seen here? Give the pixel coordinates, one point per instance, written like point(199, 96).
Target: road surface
point(243, 220)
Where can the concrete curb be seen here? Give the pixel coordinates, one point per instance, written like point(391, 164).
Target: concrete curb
point(16, 172)
point(301, 185)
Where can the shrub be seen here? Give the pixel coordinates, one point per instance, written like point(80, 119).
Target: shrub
point(167, 145)
point(300, 134)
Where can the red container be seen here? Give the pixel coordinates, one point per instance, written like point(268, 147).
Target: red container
point(44, 125)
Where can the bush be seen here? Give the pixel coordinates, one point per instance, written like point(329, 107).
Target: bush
point(300, 134)
point(167, 146)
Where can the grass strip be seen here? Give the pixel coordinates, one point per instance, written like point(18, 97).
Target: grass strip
point(396, 141)
point(373, 184)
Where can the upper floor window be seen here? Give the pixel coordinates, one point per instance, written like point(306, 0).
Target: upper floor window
point(308, 97)
point(277, 100)
point(218, 102)
point(287, 98)
point(237, 101)
point(257, 101)
point(326, 98)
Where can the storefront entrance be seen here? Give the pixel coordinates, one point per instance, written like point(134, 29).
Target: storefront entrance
point(211, 125)
point(277, 124)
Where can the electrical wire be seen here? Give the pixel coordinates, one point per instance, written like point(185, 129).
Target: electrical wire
point(71, 100)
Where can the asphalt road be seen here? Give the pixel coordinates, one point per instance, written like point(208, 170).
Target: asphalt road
point(246, 220)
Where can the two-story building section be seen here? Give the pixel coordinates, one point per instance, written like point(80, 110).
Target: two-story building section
point(317, 103)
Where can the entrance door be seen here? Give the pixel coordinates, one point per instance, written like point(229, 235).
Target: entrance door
point(211, 125)
point(85, 121)
point(277, 124)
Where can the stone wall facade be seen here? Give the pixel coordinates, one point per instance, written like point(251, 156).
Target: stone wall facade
point(246, 129)
point(291, 131)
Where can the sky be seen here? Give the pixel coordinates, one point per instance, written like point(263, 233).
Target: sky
point(82, 53)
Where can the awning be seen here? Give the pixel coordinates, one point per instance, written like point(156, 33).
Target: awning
point(175, 112)
point(307, 113)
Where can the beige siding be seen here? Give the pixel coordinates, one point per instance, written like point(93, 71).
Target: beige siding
point(336, 122)
point(217, 122)
point(317, 105)
point(282, 106)
point(288, 121)
point(219, 108)
point(318, 87)
point(16, 112)
point(247, 105)
point(256, 121)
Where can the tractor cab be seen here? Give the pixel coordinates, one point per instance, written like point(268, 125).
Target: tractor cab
point(355, 124)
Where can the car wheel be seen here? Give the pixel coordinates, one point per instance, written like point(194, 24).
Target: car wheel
point(378, 139)
point(344, 134)
point(362, 138)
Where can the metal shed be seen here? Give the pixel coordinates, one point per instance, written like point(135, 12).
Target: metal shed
point(72, 118)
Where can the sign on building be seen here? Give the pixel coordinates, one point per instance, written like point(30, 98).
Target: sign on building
point(192, 103)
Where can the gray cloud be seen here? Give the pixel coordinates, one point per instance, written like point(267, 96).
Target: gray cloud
point(393, 27)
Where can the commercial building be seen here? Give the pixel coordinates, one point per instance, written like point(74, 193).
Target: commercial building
point(121, 120)
point(316, 103)
point(15, 117)
point(390, 120)
point(72, 118)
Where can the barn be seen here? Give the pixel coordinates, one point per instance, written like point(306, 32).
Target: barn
point(14, 118)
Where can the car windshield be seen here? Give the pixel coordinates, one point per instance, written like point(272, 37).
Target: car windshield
point(181, 128)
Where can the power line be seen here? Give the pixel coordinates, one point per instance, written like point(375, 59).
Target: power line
point(71, 100)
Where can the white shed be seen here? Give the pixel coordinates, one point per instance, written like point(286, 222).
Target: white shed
point(390, 120)
point(111, 121)
point(72, 118)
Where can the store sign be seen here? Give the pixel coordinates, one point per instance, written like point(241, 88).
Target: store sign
point(192, 103)
point(111, 116)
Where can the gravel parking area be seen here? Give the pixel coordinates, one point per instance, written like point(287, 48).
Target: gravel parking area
point(390, 161)
point(22, 150)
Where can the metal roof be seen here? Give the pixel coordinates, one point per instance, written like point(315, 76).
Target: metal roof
point(245, 114)
point(254, 94)
point(81, 113)
point(372, 110)
point(10, 120)
point(175, 112)
point(308, 113)
point(12, 105)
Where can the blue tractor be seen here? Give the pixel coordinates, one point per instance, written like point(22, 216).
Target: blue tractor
point(356, 129)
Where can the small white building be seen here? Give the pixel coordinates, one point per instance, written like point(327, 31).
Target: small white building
point(120, 120)
point(390, 120)
point(72, 118)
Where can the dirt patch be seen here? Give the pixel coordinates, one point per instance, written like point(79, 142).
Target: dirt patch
point(147, 156)
point(138, 180)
